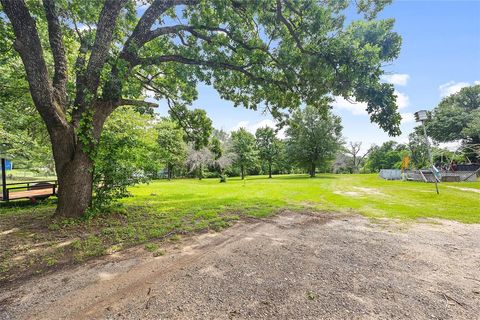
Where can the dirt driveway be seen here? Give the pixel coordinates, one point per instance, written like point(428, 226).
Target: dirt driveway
point(293, 266)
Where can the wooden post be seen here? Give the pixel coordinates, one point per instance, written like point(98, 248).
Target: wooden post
point(4, 180)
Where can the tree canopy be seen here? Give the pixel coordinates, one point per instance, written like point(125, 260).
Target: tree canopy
point(172, 149)
point(243, 145)
point(24, 137)
point(268, 146)
point(387, 156)
point(313, 138)
point(457, 117)
point(418, 150)
point(126, 155)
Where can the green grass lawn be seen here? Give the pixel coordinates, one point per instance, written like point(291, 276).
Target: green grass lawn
point(259, 196)
point(32, 241)
point(18, 175)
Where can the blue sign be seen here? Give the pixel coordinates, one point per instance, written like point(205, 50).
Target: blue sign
point(8, 165)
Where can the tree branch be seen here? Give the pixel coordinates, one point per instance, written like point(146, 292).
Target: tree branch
point(90, 79)
point(142, 33)
point(27, 44)
point(137, 39)
point(213, 64)
point(60, 77)
point(137, 103)
point(171, 101)
point(103, 39)
point(195, 31)
point(165, 30)
point(289, 26)
point(185, 60)
point(80, 71)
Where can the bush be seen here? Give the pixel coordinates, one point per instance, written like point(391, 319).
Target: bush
point(124, 157)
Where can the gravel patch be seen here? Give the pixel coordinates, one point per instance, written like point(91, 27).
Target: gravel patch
point(293, 266)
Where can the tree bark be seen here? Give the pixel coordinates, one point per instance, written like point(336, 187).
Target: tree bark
point(242, 171)
point(312, 170)
point(270, 170)
point(74, 166)
point(355, 166)
point(75, 186)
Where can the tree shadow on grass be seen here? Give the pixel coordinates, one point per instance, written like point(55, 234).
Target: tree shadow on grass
point(292, 177)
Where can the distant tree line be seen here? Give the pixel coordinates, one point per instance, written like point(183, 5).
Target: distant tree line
point(311, 143)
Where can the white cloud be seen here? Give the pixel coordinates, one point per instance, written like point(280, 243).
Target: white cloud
point(241, 124)
point(452, 87)
point(402, 100)
point(221, 32)
point(359, 108)
point(149, 93)
point(407, 117)
point(451, 146)
point(83, 27)
point(356, 108)
point(399, 79)
point(252, 127)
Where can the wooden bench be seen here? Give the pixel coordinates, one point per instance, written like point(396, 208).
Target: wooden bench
point(30, 190)
point(29, 194)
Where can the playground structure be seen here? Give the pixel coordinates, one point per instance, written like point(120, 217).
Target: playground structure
point(450, 172)
point(32, 190)
point(467, 173)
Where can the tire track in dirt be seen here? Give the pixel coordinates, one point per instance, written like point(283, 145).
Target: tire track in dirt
point(136, 281)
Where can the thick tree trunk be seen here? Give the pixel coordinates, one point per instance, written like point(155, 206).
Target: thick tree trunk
point(270, 170)
point(355, 164)
point(312, 170)
point(74, 167)
point(169, 172)
point(242, 171)
point(75, 186)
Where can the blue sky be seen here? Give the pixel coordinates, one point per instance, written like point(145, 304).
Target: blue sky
point(440, 54)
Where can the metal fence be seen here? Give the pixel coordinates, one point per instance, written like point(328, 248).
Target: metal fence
point(391, 174)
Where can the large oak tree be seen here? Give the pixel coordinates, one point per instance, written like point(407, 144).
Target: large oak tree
point(457, 117)
point(268, 146)
point(313, 138)
point(84, 59)
point(246, 154)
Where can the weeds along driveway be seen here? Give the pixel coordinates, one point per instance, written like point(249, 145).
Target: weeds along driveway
point(292, 266)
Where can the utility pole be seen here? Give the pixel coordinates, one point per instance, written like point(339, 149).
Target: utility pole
point(4, 180)
point(421, 116)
